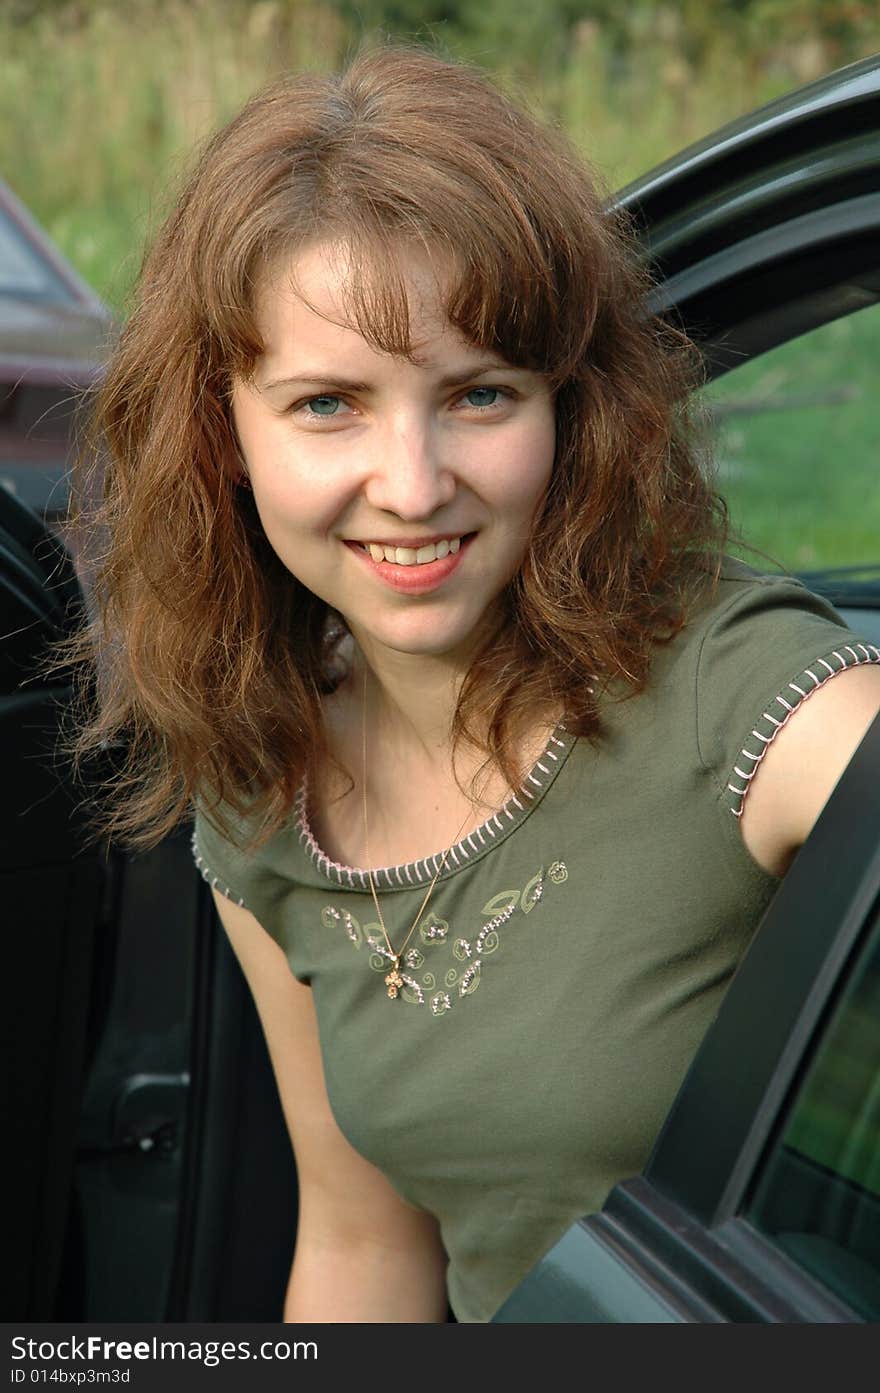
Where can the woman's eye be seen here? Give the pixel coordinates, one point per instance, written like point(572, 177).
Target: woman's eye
point(482, 396)
point(322, 406)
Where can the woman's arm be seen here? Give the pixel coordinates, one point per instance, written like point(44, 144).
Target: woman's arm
point(362, 1253)
point(801, 767)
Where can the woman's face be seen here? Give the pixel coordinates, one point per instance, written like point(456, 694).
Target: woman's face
point(352, 452)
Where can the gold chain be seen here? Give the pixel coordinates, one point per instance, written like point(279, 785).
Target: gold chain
point(394, 980)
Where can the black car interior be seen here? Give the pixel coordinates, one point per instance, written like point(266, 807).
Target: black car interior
point(148, 1159)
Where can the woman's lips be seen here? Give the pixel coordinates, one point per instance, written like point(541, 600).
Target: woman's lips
point(417, 579)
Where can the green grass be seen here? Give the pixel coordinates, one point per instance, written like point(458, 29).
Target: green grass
point(798, 446)
point(100, 112)
point(101, 105)
point(837, 1118)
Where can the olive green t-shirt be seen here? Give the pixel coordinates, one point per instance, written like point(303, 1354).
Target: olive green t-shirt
point(573, 953)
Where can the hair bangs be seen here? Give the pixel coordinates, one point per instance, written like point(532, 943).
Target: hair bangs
point(487, 290)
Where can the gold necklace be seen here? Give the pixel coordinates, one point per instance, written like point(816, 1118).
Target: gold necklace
point(394, 980)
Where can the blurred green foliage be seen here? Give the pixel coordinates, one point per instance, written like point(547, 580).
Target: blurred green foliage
point(102, 105)
point(797, 443)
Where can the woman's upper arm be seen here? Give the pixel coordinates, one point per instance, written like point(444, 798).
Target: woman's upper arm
point(343, 1198)
point(804, 763)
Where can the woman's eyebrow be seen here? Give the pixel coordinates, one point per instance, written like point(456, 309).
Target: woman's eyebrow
point(345, 384)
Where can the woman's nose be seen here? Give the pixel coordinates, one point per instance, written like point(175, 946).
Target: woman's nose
point(409, 475)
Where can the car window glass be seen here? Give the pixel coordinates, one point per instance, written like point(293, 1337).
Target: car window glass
point(797, 444)
point(22, 272)
point(818, 1194)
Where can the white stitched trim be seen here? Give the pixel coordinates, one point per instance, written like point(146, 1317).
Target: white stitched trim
point(871, 655)
point(208, 874)
point(417, 870)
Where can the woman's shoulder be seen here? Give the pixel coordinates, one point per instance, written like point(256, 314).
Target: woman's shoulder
point(235, 857)
point(758, 646)
point(743, 595)
point(757, 629)
point(741, 623)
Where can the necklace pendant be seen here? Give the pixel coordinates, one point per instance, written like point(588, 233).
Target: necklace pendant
point(393, 982)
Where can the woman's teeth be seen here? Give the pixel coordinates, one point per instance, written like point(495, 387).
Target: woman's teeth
point(409, 556)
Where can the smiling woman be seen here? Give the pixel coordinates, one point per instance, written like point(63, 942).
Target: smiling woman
point(415, 592)
point(352, 485)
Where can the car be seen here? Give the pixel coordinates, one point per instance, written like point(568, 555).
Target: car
point(53, 335)
point(146, 1119)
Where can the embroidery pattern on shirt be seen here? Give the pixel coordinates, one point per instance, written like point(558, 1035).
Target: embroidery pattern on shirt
point(435, 987)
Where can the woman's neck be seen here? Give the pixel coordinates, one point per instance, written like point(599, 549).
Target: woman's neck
point(408, 709)
point(408, 700)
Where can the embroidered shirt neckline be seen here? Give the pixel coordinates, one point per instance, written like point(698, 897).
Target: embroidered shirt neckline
point(463, 853)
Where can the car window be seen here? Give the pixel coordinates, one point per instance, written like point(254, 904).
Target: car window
point(22, 271)
point(797, 435)
point(818, 1193)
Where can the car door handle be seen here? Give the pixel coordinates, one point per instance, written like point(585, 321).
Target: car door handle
point(147, 1115)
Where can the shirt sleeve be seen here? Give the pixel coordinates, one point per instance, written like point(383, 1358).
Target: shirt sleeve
point(769, 648)
point(243, 876)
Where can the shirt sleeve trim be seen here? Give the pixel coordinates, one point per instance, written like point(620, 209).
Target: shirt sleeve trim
point(781, 710)
point(212, 879)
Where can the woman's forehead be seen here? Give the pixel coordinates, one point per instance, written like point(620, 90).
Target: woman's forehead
point(320, 298)
point(332, 277)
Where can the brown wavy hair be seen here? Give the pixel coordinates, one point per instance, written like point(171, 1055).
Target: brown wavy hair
point(205, 661)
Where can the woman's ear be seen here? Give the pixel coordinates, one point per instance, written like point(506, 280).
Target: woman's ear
point(233, 465)
point(233, 461)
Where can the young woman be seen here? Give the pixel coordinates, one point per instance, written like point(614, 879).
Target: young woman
point(413, 587)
